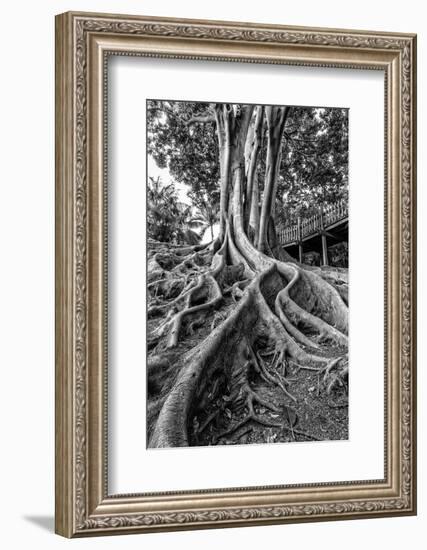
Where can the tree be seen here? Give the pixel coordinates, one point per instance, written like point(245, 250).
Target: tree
point(169, 220)
point(314, 169)
point(190, 152)
point(283, 310)
point(161, 211)
point(206, 214)
point(186, 222)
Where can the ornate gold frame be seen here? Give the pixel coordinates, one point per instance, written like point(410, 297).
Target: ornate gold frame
point(83, 41)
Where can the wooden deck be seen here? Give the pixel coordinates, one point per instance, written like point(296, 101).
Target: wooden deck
point(312, 234)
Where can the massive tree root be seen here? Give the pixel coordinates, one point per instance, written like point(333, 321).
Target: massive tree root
point(227, 325)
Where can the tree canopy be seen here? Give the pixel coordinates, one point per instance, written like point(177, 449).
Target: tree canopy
point(168, 219)
point(190, 153)
point(314, 161)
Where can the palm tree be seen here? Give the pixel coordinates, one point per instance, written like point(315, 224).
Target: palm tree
point(161, 210)
point(207, 215)
point(186, 223)
point(170, 220)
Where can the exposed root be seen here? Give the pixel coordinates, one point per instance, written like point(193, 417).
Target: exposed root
point(273, 379)
point(206, 423)
point(218, 380)
point(288, 311)
point(292, 329)
point(303, 434)
point(326, 370)
point(189, 312)
point(336, 374)
point(159, 309)
point(248, 418)
point(251, 398)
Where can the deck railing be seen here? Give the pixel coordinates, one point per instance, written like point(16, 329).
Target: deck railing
point(327, 216)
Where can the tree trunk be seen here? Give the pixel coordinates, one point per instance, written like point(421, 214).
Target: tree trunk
point(222, 117)
point(276, 119)
point(251, 162)
point(253, 230)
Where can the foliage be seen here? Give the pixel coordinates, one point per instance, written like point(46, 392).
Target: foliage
point(207, 213)
point(185, 224)
point(190, 153)
point(169, 220)
point(313, 170)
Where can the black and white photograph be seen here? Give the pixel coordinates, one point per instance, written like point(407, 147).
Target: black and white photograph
point(247, 273)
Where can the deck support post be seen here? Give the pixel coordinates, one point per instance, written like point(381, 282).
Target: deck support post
point(299, 235)
point(324, 250)
point(300, 250)
point(323, 235)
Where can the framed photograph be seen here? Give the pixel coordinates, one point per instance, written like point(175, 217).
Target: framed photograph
point(235, 274)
